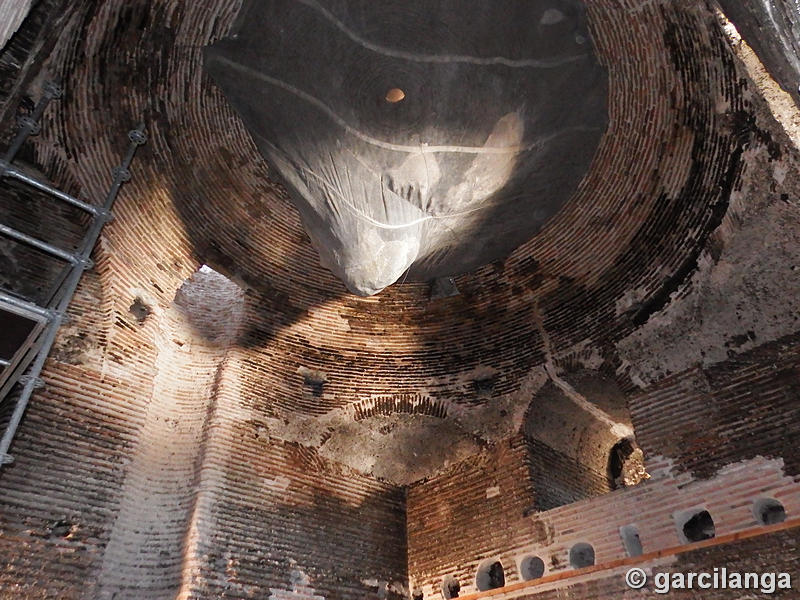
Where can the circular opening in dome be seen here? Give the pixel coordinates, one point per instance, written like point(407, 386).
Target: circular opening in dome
point(769, 511)
point(531, 567)
point(395, 95)
point(581, 555)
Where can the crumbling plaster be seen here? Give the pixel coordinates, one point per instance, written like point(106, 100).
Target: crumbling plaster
point(746, 289)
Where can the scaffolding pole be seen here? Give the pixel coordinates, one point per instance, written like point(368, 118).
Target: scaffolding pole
point(54, 313)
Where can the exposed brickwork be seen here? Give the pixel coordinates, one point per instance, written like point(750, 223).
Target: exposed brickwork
point(70, 465)
point(559, 479)
point(576, 272)
point(413, 405)
point(289, 508)
point(744, 407)
point(173, 512)
point(145, 553)
point(571, 437)
point(487, 504)
point(456, 515)
point(247, 506)
point(469, 513)
point(26, 271)
point(270, 514)
point(705, 421)
point(772, 553)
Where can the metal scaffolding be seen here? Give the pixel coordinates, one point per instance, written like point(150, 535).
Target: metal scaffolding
point(26, 364)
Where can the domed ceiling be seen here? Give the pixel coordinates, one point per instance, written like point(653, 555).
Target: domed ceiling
point(655, 128)
point(417, 141)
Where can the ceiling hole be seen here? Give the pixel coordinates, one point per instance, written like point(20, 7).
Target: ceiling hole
point(395, 95)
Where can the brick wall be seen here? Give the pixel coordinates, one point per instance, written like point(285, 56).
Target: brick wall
point(274, 519)
point(570, 446)
point(654, 507)
point(770, 553)
point(716, 439)
point(24, 270)
point(253, 510)
point(469, 512)
point(483, 506)
point(59, 498)
point(281, 513)
point(559, 479)
point(174, 488)
point(737, 409)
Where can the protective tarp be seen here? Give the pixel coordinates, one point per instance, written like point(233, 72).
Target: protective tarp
point(772, 28)
point(417, 138)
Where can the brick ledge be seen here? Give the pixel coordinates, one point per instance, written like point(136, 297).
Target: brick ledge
point(637, 560)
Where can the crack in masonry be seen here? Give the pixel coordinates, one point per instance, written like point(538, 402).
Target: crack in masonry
point(618, 429)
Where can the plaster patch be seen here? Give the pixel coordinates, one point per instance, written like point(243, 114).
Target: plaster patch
point(725, 300)
point(279, 484)
point(301, 589)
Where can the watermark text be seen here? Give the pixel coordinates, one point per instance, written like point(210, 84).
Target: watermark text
point(716, 579)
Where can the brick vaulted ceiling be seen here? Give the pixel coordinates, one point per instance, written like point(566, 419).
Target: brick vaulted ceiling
point(322, 363)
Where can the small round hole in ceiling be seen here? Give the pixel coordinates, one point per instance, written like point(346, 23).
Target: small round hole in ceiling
point(395, 95)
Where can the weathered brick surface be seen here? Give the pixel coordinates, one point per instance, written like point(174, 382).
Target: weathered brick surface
point(270, 514)
point(163, 460)
point(25, 270)
point(579, 273)
point(744, 407)
point(773, 553)
point(60, 496)
point(715, 439)
point(470, 512)
point(558, 479)
point(451, 532)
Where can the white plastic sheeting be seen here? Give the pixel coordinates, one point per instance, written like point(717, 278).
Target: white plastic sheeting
point(418, 138)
